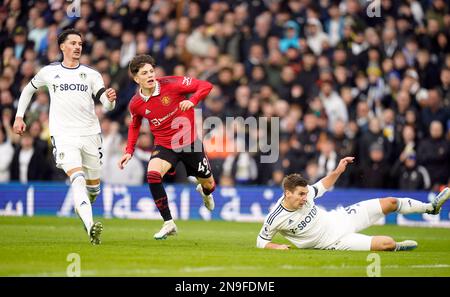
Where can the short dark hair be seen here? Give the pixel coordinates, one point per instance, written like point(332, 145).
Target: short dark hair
point(139, 61)
point(64, 34)
point(292, 181)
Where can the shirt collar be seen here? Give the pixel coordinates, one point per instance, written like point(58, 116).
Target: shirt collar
point(156, 92)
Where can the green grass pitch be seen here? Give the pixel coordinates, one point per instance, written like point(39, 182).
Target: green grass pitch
point(39, 246)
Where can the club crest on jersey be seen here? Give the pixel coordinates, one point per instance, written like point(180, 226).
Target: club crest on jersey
point(165, 100)
point(83, 75)
point(61, 156)
point(147, 111)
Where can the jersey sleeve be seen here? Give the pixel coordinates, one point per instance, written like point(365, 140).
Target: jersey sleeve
point(315, 191)
point(133, 130)
point(97, 85)
point(268, 230)
point(198, 88)
point(39, 80)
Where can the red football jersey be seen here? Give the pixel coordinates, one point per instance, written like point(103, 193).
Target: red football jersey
point(171, 127)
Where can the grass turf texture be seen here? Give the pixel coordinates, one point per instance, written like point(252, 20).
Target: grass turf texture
point(39, 246)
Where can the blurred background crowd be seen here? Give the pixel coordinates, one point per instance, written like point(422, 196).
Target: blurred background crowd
point(369, 79)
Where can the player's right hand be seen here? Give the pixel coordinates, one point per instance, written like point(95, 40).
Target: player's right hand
point(283, 247)
point(124, 160)
point(343, 163)
point(19, 126)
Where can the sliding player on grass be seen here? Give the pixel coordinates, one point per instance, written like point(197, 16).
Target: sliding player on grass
point(162, 101)
point(305, 225)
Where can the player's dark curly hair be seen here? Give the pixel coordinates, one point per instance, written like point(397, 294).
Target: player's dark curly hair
point(139, 61)
point(63, 35)
point(292, 181)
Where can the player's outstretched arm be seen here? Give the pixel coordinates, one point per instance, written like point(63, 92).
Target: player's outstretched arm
point(329, 180)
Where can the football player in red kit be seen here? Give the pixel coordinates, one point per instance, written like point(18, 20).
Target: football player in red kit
point(162, 101)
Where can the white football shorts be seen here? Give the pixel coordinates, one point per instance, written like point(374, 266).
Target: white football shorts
point(355, 218)
point(79, 151)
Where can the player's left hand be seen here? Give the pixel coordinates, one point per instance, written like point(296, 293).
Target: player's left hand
point(343, 163)
point(111, 94)
point(185, 105)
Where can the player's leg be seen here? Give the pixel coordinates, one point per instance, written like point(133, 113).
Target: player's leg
point(364, 214)
point(91, 154)
point(361, 242)
point(404, 205)
point(206, 187)
point(161, 161)
point(387, 243)
point(439, 200)
point(82, 203)
point(92, 161)
point(93, 189)
point(67, 154)
point(197, 164)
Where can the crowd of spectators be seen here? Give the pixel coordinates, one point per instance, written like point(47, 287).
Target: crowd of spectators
point(369, 79)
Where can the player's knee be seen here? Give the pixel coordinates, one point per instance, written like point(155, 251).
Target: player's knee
point(389, 204)
point(154, 177)
point(208, 187)
point(93, 191)
point(388, 244)
point(77, 177)
point(382, 243)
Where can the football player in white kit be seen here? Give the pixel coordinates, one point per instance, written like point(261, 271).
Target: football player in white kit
point(307, 226)
point(74, 126)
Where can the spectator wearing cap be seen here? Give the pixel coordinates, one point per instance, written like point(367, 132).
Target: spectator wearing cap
point(375, 174)
point(290, 36)
point(410, 176)
point(434, 154)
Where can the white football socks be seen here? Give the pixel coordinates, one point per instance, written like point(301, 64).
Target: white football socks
point(408, 205)
point(81, 199)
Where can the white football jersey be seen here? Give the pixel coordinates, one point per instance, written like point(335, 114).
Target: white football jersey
point(72, 111)
point(308, 227)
